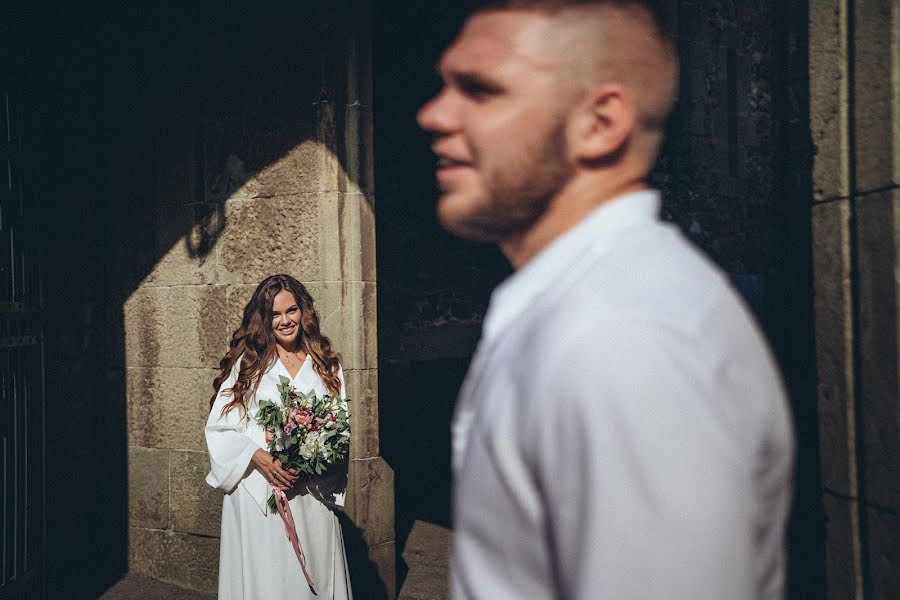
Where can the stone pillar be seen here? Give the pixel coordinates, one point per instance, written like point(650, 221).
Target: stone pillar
point(854, 59)
point(241, 190)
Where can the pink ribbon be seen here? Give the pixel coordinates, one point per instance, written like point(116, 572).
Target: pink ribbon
point(284, 509)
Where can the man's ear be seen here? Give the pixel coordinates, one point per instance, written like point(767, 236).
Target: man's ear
point(603, 123)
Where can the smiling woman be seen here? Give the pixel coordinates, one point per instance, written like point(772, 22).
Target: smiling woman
point(279, 339)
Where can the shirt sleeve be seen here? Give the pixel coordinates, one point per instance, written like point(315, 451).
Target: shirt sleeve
point(646, 494)
point(230, 450)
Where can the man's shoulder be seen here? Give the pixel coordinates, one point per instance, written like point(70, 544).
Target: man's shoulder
point(656, 276)
point(653, 287)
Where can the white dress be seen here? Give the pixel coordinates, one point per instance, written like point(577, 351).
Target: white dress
point(256, 559)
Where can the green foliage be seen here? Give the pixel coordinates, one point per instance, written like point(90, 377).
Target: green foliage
point(305, 432)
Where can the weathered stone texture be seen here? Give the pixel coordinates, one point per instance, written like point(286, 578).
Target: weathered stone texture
point(362, 388)
point(843, 579)
point(876, 81)
point(148, 488)
point(428, 544)
point(236, 298)
point(828, 111)
point(357, 117)
point(347, 313)
point(370, 499)
point(265, 237)
point(295, 172)
point(196, 507)
point(425, 583)
point(884, 553)
point(187, 560)
point(831, 265)
point(347, 237)
point(331, 172)
point(182, 262)
point(383, 556)
point(133, 586)
point(878, 338)
point(427, 556)
point(859, 360)
point(168, 407)
point(180, 326)
point(359, 165)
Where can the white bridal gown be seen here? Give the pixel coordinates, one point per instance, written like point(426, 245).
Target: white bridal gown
point(256, 560)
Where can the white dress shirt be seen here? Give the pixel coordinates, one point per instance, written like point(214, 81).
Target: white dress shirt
point(622, 431)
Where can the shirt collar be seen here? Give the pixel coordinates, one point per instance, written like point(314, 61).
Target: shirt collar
point(512, 297)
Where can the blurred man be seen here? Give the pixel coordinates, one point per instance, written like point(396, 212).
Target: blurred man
point(622, 431)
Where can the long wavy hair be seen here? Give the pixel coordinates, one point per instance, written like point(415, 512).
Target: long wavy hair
point(254, 340)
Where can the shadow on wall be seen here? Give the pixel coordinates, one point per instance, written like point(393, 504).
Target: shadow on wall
point(364, 579)
point(145, 121)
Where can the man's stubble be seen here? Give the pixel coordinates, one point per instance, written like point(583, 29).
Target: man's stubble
point(518, 191)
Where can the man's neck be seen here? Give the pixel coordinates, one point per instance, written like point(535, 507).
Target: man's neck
point(568, 208)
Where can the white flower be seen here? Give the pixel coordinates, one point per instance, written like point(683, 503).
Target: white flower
point(307, 450)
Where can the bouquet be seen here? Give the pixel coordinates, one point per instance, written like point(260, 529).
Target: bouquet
point(305, 432)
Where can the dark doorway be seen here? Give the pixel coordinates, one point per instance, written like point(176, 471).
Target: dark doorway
point(433, 288)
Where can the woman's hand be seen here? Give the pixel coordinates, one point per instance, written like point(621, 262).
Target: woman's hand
point(272, 470)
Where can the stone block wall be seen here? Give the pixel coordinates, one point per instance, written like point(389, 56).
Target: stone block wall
point(240, 184)
point(854, 71)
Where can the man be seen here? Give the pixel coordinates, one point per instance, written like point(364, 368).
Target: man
point(622, 431)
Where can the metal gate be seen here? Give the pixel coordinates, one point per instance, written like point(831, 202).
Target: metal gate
point(21, 363)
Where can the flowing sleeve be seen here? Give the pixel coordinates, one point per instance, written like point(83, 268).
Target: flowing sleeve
point(230, 449)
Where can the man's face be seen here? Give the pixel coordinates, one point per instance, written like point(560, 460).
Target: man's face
point(499, 125)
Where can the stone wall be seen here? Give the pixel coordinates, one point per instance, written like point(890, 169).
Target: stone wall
point(854, 71)
point(254, 159)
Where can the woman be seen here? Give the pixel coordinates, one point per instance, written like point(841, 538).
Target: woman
point(279, 336)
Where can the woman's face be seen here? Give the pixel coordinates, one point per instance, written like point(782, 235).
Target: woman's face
point(286, 319)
